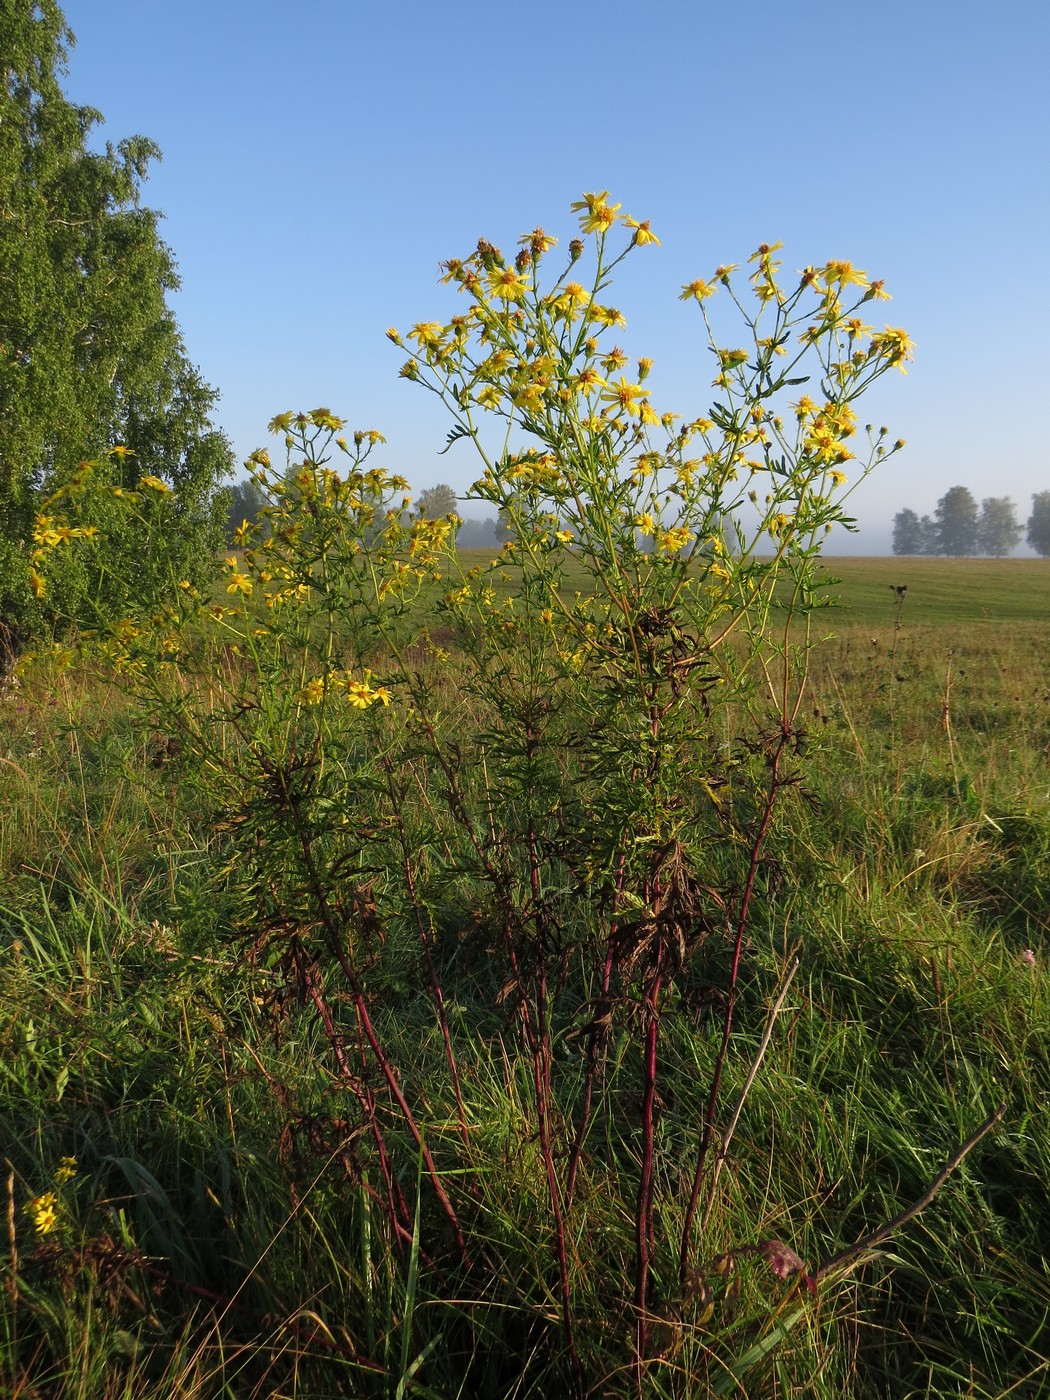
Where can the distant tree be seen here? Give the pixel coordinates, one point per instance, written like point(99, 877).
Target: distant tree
point(1039, 524)
point(956, 522)
point(246, 502)
point(504, 528)
point(477, 533)
point(998, 532)
point(914, 534)
point(437, 501)
point(908, 534)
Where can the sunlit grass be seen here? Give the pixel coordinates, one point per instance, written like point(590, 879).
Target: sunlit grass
point(218, 1238)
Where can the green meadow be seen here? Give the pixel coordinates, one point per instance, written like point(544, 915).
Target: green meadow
point(191, 1202)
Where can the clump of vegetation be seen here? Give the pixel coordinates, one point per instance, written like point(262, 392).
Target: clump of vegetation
point(490, 977)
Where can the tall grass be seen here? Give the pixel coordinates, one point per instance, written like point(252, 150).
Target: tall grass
point(221, 1236)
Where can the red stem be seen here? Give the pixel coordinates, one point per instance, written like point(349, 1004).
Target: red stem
point(716, 1079)
point(644, 1212)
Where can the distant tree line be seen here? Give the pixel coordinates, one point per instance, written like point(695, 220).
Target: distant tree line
point(247, 500)
point(959, 526)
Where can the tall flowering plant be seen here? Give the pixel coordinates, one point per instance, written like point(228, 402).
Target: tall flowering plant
point(584, 740)
point(646, 671)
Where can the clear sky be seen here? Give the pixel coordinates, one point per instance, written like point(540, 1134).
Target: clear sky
point(321, 159)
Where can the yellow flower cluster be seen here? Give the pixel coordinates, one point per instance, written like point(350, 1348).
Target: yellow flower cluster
point(360, 693)
point(47, 535)
point(43, 1211)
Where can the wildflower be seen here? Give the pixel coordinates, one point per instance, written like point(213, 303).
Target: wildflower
point(588, 380)
point(595, 215)
point(624, 396)
point(239, 583)
point(699, 289)
point(844, 273)
point(312, 692)
point(359, 695)
point(43, 1211)
point(154, 483)
point(642, 232)
point(538, 242)
point(782, 1259)
point(507, 284)
point(674, 540)
point(895, 344)
point(67, 1170)
point(426, 334)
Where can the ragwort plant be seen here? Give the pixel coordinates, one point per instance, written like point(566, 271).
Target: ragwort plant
point(629, 714)
point(585, 741)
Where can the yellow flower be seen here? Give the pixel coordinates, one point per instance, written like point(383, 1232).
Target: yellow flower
point(699, 289)
point(565, 536)
point(645, 523)
point(43, 1210)
point(426, 334)
point(838, 478)
point(359, 695)
point(607, 315)
point(507, 284)
point(154, 483)
point(239, 583)
point(895, 344)
point(595, 215)
point(67, 1170)
point(844, 273)
point(312, 692)
point(642, 231)
point(624, 396)
point(538, 242)
point(764, 252)
point(675, 539)
point(588, 380)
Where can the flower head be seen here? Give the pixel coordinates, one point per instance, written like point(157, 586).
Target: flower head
point(595, 215)
point(43, 1211)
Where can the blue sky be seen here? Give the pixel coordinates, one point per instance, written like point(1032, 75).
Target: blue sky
point(321, 159)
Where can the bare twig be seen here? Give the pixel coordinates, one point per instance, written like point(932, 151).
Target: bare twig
point(856, 1254)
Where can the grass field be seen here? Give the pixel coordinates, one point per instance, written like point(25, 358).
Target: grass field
point(939, 590)
point(221, 1232)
